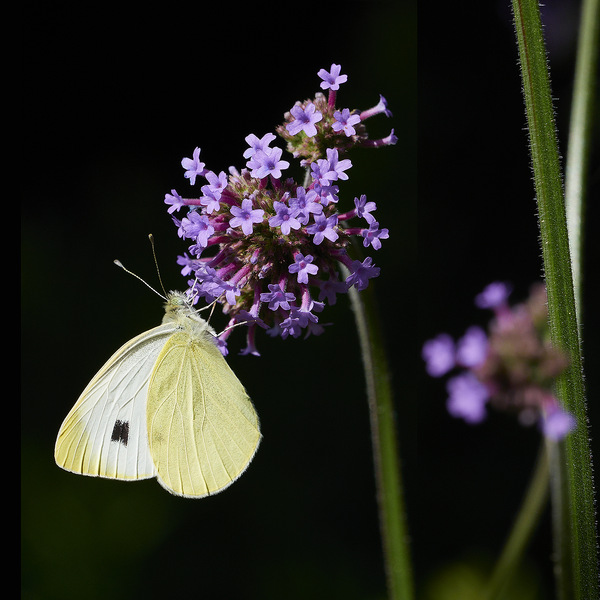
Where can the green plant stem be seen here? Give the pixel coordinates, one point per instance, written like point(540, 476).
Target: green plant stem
point(570, 461)
point(527, 518)
point(385, 447)
point(578, 152)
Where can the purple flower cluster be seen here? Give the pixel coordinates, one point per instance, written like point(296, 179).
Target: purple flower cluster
point(268, 248)
point(512, 367)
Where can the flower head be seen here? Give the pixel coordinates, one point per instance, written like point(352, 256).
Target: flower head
point(267, 248)
point(510, 367)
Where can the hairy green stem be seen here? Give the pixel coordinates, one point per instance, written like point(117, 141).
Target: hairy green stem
point(385, 446)
point(570, 461)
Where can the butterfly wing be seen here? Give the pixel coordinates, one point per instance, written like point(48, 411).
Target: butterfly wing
point(104, 434)
point(202, 428)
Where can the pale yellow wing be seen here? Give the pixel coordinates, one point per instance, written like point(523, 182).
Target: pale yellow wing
point(104, 434)
point(202, 428)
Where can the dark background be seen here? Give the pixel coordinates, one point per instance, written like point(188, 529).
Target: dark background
point(111, 100)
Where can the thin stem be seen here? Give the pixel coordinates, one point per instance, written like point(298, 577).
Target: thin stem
point(579, 138)
point(385, 446)
point(528, 517)
point(570, 461)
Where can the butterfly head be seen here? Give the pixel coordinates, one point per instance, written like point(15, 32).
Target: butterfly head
point(179, 309)
point(178, 302)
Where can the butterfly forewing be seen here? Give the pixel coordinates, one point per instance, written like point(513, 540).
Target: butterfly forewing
point(105, 433)
point(202, 428)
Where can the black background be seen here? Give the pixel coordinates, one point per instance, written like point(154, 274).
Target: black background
point(111, 100)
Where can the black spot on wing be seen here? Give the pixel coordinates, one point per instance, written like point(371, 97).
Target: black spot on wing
point(120, 432)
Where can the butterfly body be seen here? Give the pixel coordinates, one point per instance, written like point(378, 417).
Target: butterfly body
point(165, 405)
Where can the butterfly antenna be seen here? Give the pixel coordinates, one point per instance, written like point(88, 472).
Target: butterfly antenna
point(212, 310)
point(120, 264)
point(212, 306)
point(151, 238)
point(236, 324)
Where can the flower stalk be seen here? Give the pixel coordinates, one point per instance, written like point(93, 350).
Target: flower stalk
point(532, 507)
point(570, 460)
point(385, 447)
point(580, 130)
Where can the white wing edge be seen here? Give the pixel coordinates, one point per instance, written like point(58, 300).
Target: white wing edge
point(102, 404)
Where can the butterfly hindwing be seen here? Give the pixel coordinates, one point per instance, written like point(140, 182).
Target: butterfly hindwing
point(105, 434)
point(202, 428)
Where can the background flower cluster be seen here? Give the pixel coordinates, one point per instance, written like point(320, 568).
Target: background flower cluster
point(511, 367)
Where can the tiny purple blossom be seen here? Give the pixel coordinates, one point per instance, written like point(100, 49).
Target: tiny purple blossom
point(471, 350)
point(212, 286)
point(438, 354)
point(267, 163)
point(216, 183)
point(319, 171)
point(344, 121)
point(324, 227)
point(230, 290)
point(277, 297)
point(330, 288)
point(374, 235)
point(336, 166)
point(175, 200)
point(285, 218)
point(361, 272)
point(304, 120)
point(221, 344)
point(303, 267)
point(467, 398)
point(327, 193)
point(364, 208)
point(256, 144)
point(389, 140)
point(193, 167)
point(246, 216)
point(207, 283)
point(198, 227)
point(188, 264)
point(301, 318)
point(251, 335)
point(380, 107)
point(306, 203)
point(210, 199)
point(557, 424)
point(332, 79)
point(495, 295)
point(291, 326)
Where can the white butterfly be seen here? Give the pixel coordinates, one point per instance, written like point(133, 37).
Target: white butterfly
point(165, 405)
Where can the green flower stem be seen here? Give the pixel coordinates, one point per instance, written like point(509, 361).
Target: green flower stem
point(523, 527)
point(579, 137)
point(572, 490)
point(385, 447)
